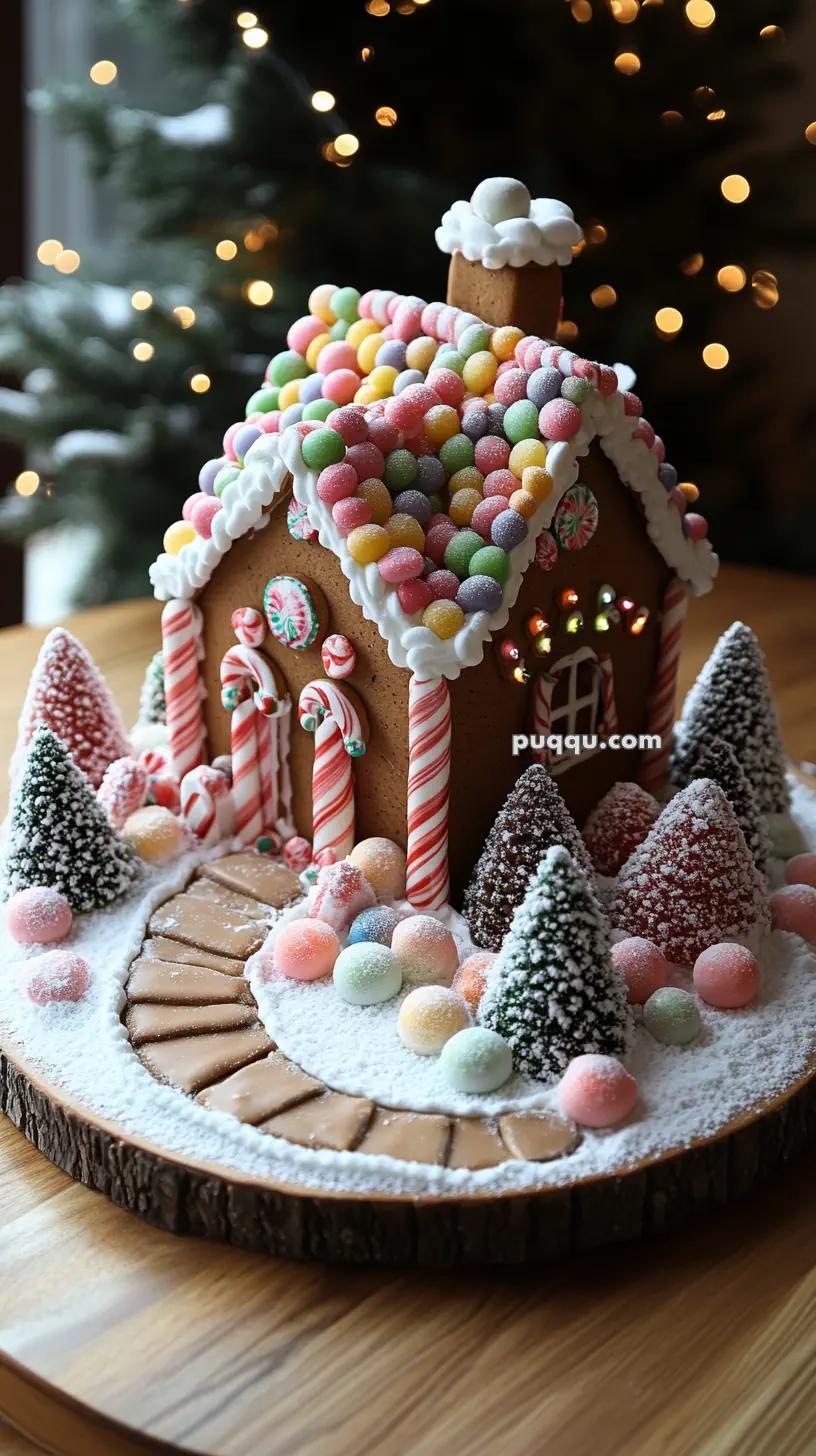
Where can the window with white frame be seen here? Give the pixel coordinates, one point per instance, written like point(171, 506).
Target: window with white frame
point(577, 702)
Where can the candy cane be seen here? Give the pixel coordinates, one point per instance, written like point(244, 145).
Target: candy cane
point(182, 687)
point(542, 708)
point(323, 709)
point(661, 706)
point(610, 709)
point(206, 804)
point(429, 756)
point(250, 689)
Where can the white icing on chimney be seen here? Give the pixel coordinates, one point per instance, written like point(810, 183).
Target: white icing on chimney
point(502, 225)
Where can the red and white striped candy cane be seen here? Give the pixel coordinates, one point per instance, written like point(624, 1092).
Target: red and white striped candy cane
point(206, 805)
point(249, 688)
point(249, 626)
point(324, 709)
point(429, 756)
point(182, 686)
point(654, 763)
point(542, 708)
point(610, 707)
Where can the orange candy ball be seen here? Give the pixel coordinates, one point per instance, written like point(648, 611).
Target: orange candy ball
point(405, 531)
point(525, 504)
point(471, 978)
point(368, 543)
point(536, 481)
point(503, 342)
point(440, 424)
point(463, 504)
point(443, 618)
point(379, 499)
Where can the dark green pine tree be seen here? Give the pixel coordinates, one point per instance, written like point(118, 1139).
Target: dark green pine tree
point(152, 704)
point(58, 833)
point(719, 762)
point(554, 993)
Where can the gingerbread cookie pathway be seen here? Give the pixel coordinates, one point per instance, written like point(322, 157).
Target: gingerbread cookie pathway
point(193, 1021)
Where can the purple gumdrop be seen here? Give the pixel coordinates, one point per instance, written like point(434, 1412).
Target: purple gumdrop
point(474, 424)
point(408, 376)
point(291, 416)
point(684, 522)
point(392, 353)
point(543, 385)
point(429, 566)
point(495, 418)
point(311, 388)
point(480, 593)
point(508, 530)
point(667, 476)
point(244, 439)
point(413, 503)
point(207, 474)
point(431, 475)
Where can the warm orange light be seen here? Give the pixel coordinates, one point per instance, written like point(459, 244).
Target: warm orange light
point(701, 14)
point(49, 250)
point(716, 356)
point(639, 621)
point(625, 11)
point(68, 261)
point(200, 383)
point(378, 7)
point(672, 119)
point(385, 116)
point(604, 296)
point(142, 351)
point(773, 33)
point(581, 11)
point(246, 20)
point(141, 299)
point(691, 266)
point(810, 133)
point(735, 188)
point(567, 598)
point(103, 72)
point(732, 278)
point(628, 63)
point(689, 490)
point(764, 289)
point(27, 482)
point(260, 292)
point(567, 329)
point(185, 316)
point(536, 624)
point(669, 321)
point(346, 144)
point(323, 101)
point(596, 233)
point(255, 38)
point(226, 250)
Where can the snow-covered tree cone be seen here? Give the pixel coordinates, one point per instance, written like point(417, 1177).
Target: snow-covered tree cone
point(532, 819)
point(732, 699)
point(59, 835)
point(719, 762)
point(554, 993)
point(152, 704)
point(692, 883)
point(618, 824)
point(68, 694)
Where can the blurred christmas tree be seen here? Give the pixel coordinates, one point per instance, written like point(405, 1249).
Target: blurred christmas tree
point(323, 142)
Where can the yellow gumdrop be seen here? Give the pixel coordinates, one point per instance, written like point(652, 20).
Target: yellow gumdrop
point(527, 452)
point(421, 353)
point(361, 330)
point(181, 533)
point(368, 350)
point(480, 371)
point(440, 423)
point(536, 482)
point(379, 498)
point(405, 531)
point(489, 398)
point(468, 478)
point(320, 302)
point(365, 395)
point(382, 380)
point(315, 348)
point(503, 342)
point(154, 833)
point(443, 618)
point(462, 506)
point(525, 504)
point(367, 543)
point(290, 394)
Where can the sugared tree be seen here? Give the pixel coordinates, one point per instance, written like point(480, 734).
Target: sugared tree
point(617, 825)
point(719, 762)
point(68, 694)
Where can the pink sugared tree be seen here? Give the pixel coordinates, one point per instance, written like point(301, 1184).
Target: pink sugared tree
point(68, 694)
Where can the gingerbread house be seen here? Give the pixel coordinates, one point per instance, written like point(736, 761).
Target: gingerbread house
point(439, 546)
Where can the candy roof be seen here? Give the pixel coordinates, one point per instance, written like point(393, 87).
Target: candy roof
point(477, 434)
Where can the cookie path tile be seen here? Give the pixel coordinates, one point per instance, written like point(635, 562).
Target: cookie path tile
point(176, 984)
point(334, 1121)
point(162, 948)
point(160, 1023)
point(475, 1144)
point(261, 1090)
point(254, 874)
point(538, 1136)
point(194, 1062)
point(415, 1137)
point(208, 926)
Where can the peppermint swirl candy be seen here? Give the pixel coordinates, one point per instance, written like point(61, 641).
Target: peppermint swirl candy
point(546, 551)
point(290, 612)
point(339, 657)
point(576, 519)
point(298, 523)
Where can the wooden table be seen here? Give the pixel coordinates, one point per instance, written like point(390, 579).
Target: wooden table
point(117, 1339)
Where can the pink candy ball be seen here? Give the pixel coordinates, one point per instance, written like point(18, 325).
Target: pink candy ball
point(306, 950)
point(336, 482)
point(414, 596)
point(56, 976)
point(230, 436)
point(269, 424)
point(383, 434)
point(443, 585)
point(485, 514)
point(491, 453)
point(801, 870)
point(726, 976)
point(402, 563)
point(297, 853)
point(448, 385)
point(430, 317)
point(350, 513)
point(367, 460)
point(643, 967)
point(596, 1091)
point(697, 526)
point(38, 915)
point(794, 908)
point(191, 502)
point(340, 385)
point(336, 355)
point(303, 331)
point(511, 386)
point(437, 539)
point(608, 383)
point(426, 950)
point(408, 321)
point(502, 483)
point(559, 420)
point(349, 423)
point(203, 514)
point(407, 410)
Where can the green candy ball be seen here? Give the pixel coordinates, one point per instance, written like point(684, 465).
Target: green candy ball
point(786, 836)
point(460, 551)
point(318, 409)
point(366, 974)
point(400, 469)
point(476, 1060)
point(456, 453)
point(344, 303)
point(575, 390)
point(339, 329)
point(224, 478)
point(262, 401)
point(474, 340)
point(521, 421)
point(449, 359)
point(672, 1016)
point(287, 366)
point(437, 505)
point(322, 448)
point(490, 561)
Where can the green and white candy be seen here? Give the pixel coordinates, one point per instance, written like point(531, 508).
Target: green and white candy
point(367, 974)
point(476, 1060)
point(672, 1016)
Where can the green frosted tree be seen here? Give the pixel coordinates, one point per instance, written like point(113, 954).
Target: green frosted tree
point(152, 704)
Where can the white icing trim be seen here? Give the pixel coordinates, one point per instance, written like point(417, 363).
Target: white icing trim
point(547, 236)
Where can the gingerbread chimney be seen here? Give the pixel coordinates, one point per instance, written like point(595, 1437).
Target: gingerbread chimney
point(507, 250)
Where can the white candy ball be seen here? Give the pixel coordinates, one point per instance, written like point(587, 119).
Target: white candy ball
point(365, 974)
point(476, 1060)
point(499, 198)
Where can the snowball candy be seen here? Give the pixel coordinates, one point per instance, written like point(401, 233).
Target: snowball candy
point(727, 975)
point(429, 1017)
point(794, 908)
point(38, 915)
point(377, 924)
point(471, 978)
point(597, 1091)
point(643, 967)
point(55, 976)
point(426, 949)
point(383, 864)
point(306, 950)
point(801, 870)
point(672, 1016)
point(366, 974)
point(342, 891)
point(476, 1060)
point(499, 198)
point(154, 833)
point(786, 836)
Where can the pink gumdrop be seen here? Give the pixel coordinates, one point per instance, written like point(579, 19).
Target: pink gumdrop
point(419, 445)
point(429, 319)
point(486, 513)
point(678, 499)
point(203, 515)
point(297, 853)
point(794, 908)
point(533, 356)
point(269, 424)
point(414, 596)
point(697, 525)
point(340, 385)
point(443, 585)
point(425, 945)
point(230, 436)
point(336, 355)
point(644, 432)
point(727, 976)
point(402, 563)
point(163, 789)
point(500, 482)
point(191, 502)
point(521, 349)
point(437, 538)
point(38, 915)
point(801, 870)
point(306, 950)
point(407, 410)
point(367, 460)
point(383, 434)
point(643, 967)
point(505, 367)
point(349, 423)
point(56, 976)
point(659, 450)
point(335, 482)
point(350, 513)
point(470, 981)
point(632, 404)
point(394, 301)
point(303, 331)
point(491, 453)
point(559, 420)
point(607, 381)
point(512, 386)
point(408, 321)
point(446, 323)
point(585, 369)
point(364, 306)
point(597, 1091)
point(448, 385)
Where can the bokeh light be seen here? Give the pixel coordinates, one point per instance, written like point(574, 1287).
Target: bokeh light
point(732, 278)
point(669, 321)
point(715, 356)
point(259, 292)
point(103, 72)
point(27, 482)
point(735, 188)
point(200, 383)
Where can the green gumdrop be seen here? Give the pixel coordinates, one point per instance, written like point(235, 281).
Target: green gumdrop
point(460, 551)
point(490, 561)
point(672, 1016)
point(339, 329)
point(322, 448)
point(437, 505)
point(474, 340)
point(521, 421)
point(456, 453)
point(449, 359)
point(318, 409)
point(344, 303)
point(262, 401)
point(287, 366)
point(224, 478)
point(400, 469)
point(575, 390)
